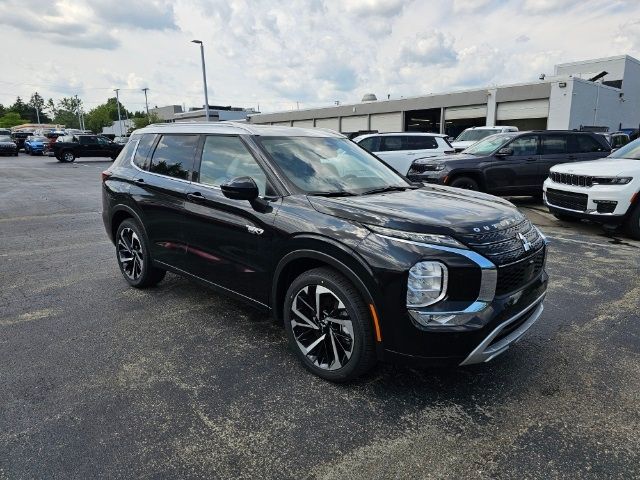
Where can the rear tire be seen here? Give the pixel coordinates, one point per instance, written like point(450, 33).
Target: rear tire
point(633, 223)
point(331, 329)
point(134, 258)
point(67, 156)
point(466, 183)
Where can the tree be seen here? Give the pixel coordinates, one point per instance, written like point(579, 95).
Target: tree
point(36, 102)
point(2, 110)
point(66, 113)
point(20, 108)
point(11, 119)
point(140, 122)
point(98, 117)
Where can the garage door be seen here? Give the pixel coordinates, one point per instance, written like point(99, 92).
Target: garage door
point(467, 111)
point(330, 123)
point(387, 122)
point(354, 124)
point(523, 109)
point(303, 123)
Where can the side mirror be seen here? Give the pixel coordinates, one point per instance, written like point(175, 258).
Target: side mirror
point(505, 152)
point(240, 188)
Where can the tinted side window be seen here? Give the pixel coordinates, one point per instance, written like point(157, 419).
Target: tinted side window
point(525, 145)
point(421, 143)
point(88, 140)
point(369, 144)
point(127, 151)
point(143, 152)
point(554, 144)
point(225, 158)
point(392, 144)
point(586, 144)
point(173, 155)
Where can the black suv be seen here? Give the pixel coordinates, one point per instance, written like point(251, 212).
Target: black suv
point(514, 163)
point(68, 148)
point(357, 262)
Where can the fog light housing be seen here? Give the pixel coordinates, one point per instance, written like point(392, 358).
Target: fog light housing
point(427, 284)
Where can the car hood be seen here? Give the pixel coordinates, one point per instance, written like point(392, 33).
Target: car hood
point(602, 167)
point(450, 157)
point(4, 144)
point(430, 209)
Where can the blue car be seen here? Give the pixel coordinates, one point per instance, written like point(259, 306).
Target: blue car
point(34, 145)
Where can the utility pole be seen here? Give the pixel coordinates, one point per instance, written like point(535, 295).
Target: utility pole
point(118, 104)
point(146, 103)
point(78, 112)
point(204, 79)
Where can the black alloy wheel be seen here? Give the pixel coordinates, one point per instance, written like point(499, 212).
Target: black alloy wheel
point(133, 256)
point(329, 326)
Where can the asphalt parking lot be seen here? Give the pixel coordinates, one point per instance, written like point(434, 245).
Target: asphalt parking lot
point(98, 379)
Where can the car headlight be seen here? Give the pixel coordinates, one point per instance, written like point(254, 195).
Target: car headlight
point(416, 237)
point(611, 180)
point(427, 284)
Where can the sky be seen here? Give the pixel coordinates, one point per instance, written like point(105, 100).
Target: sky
point(280, 55)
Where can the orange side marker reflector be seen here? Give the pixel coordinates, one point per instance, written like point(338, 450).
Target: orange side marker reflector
point(376, 325)
point(634, 198)
point(445, 180)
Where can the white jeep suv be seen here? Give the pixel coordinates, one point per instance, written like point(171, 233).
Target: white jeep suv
point(606, 191)
point(474, 134)
point(400, 149)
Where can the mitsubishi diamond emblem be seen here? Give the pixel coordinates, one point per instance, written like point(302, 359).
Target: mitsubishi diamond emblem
point(526, 244)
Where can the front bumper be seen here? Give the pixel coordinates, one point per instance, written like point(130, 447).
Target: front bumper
point(595, 196)
point(489, 322)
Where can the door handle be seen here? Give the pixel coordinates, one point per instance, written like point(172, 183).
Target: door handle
point(531, 159)
point(196, 197)
point(571, 157)
point(139, 180)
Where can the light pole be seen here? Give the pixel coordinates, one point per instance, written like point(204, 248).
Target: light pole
point(118, 104)
point(204, 79)
point(146, 104)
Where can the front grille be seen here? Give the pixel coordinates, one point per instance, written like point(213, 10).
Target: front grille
point(517, 275)
point(421, 167)
point(570, 179)
point(570, 200)
point(506, 246)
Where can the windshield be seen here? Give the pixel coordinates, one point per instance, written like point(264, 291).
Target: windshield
point(475, 135)
point(5, 138)
point(330, 165)
point(630, 151)
point(39, 139)
point(488, 145)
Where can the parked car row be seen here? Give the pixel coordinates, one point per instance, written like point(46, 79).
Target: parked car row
point(559, 165)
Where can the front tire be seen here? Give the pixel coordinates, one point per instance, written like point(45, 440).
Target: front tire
point(633, 223)
point(466, 183)
point(134, 259)
point(329, 326)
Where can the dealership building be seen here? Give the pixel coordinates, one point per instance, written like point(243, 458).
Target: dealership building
point(603, 93)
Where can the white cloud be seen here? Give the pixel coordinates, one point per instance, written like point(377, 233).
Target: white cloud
point(308, 51)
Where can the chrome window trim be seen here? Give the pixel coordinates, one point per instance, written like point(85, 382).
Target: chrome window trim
point(488, 279)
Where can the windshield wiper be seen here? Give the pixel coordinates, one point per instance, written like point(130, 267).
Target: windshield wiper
point(389, 188)
point(338, 193)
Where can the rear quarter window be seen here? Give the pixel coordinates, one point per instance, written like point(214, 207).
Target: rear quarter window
point(143, 152)
point(126, 153)
point(422, 143)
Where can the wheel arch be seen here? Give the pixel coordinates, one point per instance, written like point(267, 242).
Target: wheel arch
point(343, 260)
point(119, 214)
point(474, 174)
